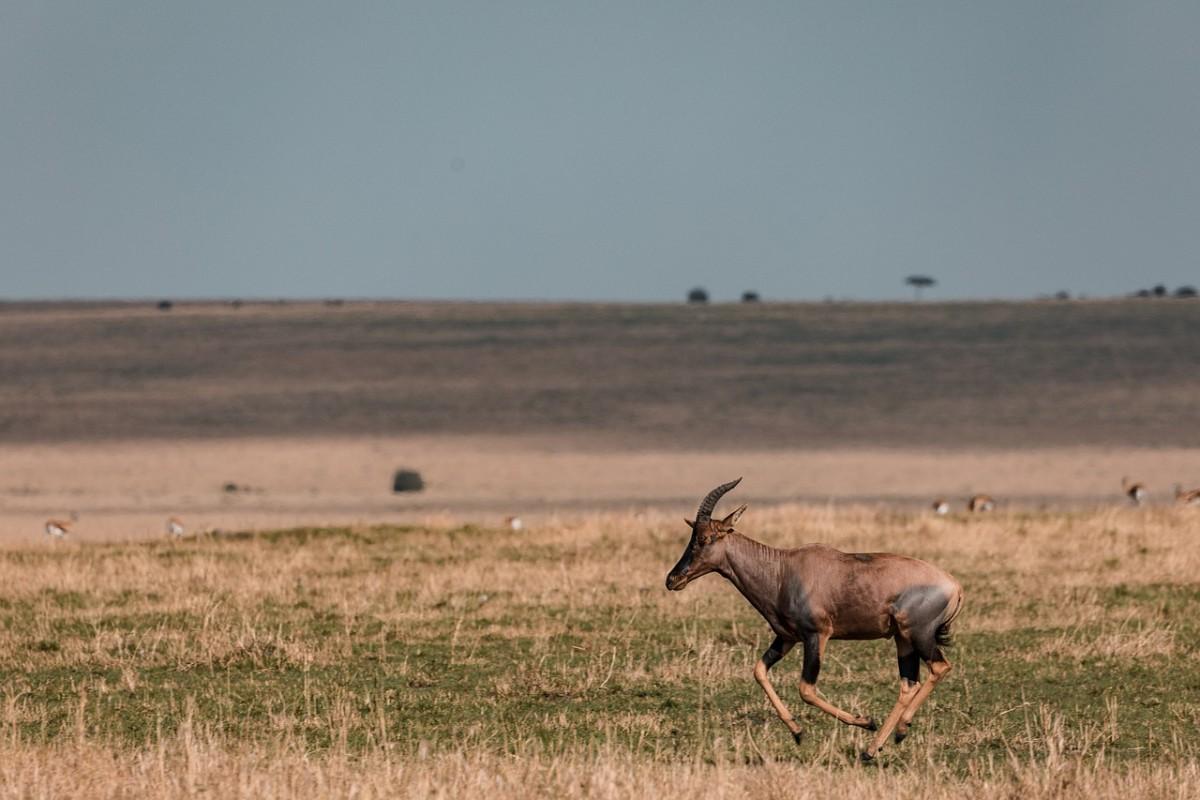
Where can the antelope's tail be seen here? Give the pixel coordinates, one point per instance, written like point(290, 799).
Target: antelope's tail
point(943, 635)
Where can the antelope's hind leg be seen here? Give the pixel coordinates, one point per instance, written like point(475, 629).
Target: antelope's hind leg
point(939, 667)
point(928, 644)
point(909, 663)
point(910, 673)
point(814, 650)
point(778, 649)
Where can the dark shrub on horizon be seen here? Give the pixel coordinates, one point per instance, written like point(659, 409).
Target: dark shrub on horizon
point(750, 297)
point(697, 295)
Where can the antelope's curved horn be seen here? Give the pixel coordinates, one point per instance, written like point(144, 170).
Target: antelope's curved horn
point(710, 500)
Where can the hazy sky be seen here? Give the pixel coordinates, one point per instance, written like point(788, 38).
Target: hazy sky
point(607, 150)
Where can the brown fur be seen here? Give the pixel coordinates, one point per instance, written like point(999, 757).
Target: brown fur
point(981, 503)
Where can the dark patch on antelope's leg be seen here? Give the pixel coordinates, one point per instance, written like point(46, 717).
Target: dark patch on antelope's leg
point(778, 649)
point(812, 658)
point(910, 666)
point(776, 652)
point(910, 670)
point(814, 646)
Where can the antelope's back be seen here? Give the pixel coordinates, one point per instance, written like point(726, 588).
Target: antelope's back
point(862, 593)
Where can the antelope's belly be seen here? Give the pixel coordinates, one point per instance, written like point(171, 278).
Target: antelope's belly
point(863, 627)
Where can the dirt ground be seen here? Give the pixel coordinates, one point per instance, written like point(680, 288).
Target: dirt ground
point(128, 489)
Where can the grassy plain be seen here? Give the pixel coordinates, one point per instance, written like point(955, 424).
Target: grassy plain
point(351, 642)
point(460, 661)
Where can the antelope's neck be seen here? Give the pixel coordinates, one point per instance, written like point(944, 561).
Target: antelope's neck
point(757, 572)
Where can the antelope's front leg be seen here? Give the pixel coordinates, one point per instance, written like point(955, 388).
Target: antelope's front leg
point(814, 649)
point(778, 649)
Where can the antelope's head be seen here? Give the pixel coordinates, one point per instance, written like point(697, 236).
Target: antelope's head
point(706, 550)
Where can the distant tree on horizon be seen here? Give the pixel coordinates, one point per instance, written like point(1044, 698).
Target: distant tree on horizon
point(919, 284)
point(697, 295)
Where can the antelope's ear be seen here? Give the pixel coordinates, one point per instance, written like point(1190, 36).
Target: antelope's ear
point(690, 523)
point(732, 519)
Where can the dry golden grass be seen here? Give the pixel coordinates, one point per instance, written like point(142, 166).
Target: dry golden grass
point(384, 662)
point(191, 766)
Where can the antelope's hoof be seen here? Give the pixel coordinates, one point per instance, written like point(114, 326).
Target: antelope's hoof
point(871, 725)
point(899, 736)
point(865, 757)
point(798, 736)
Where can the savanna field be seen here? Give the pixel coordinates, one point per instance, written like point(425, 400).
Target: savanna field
point(463, 661)
point(314, 634)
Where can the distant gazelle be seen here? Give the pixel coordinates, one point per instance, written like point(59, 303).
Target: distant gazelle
point(513, 523)
point(980, 503)
point(1187, 497)
point(175, 526)
point(1134, 490)
point(811, 594)
point(58, 528)
point(941, 507)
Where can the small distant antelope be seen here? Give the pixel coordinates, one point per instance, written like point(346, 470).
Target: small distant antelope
point(175, 526)
point(941, 507)
point(1187, 497)
point(513, 523)
point(980, 503)
point(812, 594)
point(58, 528)
point(1135, 491)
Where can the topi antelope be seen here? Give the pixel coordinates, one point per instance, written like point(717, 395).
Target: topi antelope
point(814, 593)
point(980, 503)
point(1187, 497)
point(1135, 491)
